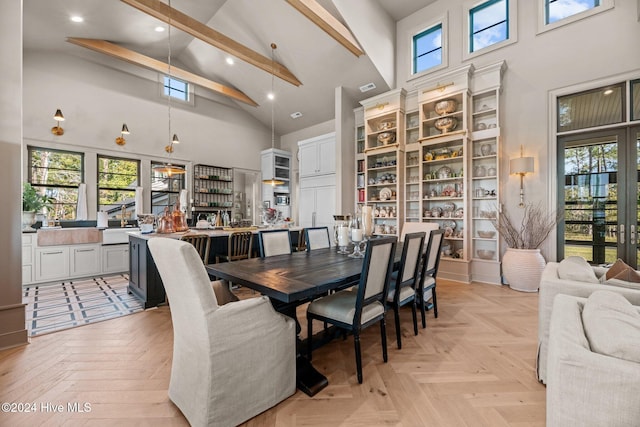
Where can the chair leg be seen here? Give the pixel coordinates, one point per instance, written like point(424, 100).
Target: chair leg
point(423, 310)
point(396, 315)
point(383, 333)
point(356, 342)
point(435, 302)
point(415, 317)
point(309, 335)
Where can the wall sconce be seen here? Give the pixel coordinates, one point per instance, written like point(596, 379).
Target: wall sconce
point(521, 166)
point(125, 131)
point(58, 117)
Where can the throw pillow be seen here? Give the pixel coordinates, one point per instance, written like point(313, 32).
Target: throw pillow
point(618, 267)
point(578, 269)
point(612, 325)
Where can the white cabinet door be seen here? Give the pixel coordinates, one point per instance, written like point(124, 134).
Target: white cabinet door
point(327, 156)
point(115, 258)
point(308, 160)
point(85, 260)
point(52, 263)
point(317, 206)
point(318, 155)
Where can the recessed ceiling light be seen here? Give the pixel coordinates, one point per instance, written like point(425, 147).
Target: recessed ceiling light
point(159, 29)
point(271, 96)
point(367, 87)
point(296, 115)
point(77, 18)
point(229, 60)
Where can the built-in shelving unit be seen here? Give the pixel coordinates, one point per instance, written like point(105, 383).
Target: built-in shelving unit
point(212, 188)
point(384, 160)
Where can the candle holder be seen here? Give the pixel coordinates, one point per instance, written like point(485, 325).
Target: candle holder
point(357, 236)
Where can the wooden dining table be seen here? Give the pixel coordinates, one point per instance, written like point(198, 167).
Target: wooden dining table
point(294, 279)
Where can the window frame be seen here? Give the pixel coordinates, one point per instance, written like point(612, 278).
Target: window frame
point(189, 90)
point(543, 26)
point(183, 179)
point(444, 63)
point(512, 28)
point(99, 188)
point(71, 188)
point(414, 54)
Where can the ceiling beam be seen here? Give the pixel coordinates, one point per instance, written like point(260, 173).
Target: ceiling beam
point(136, 58)
point(183, 22)
point(328, 23)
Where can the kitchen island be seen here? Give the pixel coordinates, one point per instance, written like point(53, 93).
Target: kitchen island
point(144, 280)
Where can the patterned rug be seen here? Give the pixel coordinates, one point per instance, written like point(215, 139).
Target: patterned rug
point(65, 305)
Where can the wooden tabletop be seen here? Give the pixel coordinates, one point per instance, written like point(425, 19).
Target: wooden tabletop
point(295, 277)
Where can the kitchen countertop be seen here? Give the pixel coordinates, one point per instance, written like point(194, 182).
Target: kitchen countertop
point(209, 232)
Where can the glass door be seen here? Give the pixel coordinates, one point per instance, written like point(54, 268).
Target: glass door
point(598, 192)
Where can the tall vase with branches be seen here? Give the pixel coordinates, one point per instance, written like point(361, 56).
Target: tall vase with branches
point(522, 263)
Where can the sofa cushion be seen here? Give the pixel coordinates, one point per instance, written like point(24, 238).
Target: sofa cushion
point(578, 269)
point(623, 283)
point(618, 267)
point(612, 325)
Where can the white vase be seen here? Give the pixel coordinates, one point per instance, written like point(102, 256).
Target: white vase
point(522, 269)
point(28, 219)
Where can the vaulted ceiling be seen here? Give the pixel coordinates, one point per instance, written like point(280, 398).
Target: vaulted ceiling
point(316, 59)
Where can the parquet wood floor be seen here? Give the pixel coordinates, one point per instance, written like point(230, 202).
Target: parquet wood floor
point(473, 366)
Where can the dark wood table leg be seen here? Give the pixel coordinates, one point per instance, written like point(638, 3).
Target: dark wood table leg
point(308, 378)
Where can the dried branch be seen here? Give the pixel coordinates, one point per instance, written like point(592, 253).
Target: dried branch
point(533, 230)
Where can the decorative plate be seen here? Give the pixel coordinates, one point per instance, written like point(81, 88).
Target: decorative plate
point(444, 172)
point(449, 224)
point(448, 232)
point(436, 212)
point(449, 206)
point(459, 213)
point(385, 194)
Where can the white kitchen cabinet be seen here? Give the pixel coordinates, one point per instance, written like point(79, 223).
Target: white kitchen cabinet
point(84, 260)
point(52, 263)
point(28, 257)
point(115, 258)
point(317, 202)
point(318, 155)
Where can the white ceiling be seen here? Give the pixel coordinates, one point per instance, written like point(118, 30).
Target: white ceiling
point(317, 60)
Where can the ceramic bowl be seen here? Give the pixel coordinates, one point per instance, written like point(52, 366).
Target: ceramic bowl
point(386, 124)
point(446, 124)
point(386, 138)
point(446, 106)
point(486, 234)
point(485, 254)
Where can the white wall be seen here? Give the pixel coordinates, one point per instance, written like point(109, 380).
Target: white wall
point(594, 48)
point(12, 312)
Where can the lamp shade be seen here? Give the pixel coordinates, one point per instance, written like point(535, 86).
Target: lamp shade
point(58, 116)
point(521, 165)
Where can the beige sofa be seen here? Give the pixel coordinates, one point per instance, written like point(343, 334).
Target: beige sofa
point(586, 388)
point(550, 286)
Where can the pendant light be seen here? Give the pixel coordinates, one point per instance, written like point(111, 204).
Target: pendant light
point(273, 181)
point(168, 168)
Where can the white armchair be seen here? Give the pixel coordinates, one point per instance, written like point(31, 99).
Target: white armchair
point(230, 362)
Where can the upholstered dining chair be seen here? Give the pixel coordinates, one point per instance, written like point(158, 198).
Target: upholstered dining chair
point(274, 242)
point(201, 242)
point(427, 285)
point(358, 309)
point(221, 374)
point(402, 289)
point(317, 238)
point(238, 246)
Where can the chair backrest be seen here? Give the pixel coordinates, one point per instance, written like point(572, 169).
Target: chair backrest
point(239, 246)
point(416, 227)
point(302, 243)
point(410, 263)
point(185, 280)
point(202, 244)
point(317, 238)
point(431, 259)
point(376, 273)
point(274, 242)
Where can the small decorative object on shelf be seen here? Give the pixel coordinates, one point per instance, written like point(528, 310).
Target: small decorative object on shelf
point(446, 106)
point(446, 124)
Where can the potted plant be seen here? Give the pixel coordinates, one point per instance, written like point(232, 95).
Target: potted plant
point(32, 202)
point(522, 263)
